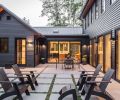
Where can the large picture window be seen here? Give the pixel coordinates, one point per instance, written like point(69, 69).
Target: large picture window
point(3, 45)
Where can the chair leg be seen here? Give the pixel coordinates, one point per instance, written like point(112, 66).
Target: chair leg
point(33, 76)
point(30, 82)
point(89, 92)
point(82, 82)
point(17, 91)
point(36, 83)
point(27, 92)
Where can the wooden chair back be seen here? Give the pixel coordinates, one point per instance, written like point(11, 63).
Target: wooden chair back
point(107, 77)
point(18, 72)
point(3, 77)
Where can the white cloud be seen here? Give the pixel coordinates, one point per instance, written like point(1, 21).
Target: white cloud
point(31, 9)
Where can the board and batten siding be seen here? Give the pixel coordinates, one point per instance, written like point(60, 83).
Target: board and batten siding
point(13, 29)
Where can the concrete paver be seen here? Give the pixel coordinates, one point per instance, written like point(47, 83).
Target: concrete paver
point(63, 78)
point(44, 80)
point(63, 81)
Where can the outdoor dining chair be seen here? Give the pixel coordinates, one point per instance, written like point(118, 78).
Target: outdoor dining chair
point(31, 79)
point(68, 63)
point(92, 88)
point(11, 88)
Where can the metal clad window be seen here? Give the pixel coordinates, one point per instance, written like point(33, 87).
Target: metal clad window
point(3, 45)
point(112, 1)
point(96, 9)
point(102, 6)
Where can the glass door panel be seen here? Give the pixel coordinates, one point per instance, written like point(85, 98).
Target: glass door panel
point(91, 52)
point(107, 52)
point(53, 51)
point(118, 56)
point(94, 53)
point(21, 51)
point(63, 50)
point(75, 50)
point(100, 51)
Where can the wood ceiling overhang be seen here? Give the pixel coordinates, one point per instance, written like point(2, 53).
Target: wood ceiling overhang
point(87, 8)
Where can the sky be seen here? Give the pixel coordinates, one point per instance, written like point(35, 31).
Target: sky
point(31, 9)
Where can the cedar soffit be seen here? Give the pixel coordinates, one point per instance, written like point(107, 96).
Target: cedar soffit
point(87, 7)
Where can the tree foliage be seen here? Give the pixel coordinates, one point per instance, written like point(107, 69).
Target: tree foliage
point(62, 12)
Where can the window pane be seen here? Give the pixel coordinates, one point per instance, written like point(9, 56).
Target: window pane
point(102, 6)
point(112, 1)
point(3, 45)
point(96, 9)
point(107, 52)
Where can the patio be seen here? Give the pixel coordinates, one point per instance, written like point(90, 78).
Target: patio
point(51, 80)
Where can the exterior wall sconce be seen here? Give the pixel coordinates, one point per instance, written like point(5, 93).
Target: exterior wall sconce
point(29, 41)
point(84, 46)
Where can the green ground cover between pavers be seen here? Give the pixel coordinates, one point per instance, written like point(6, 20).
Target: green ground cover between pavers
point(74, 82)
point(50, 88)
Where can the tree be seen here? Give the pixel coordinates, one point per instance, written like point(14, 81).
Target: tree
point(62, 12)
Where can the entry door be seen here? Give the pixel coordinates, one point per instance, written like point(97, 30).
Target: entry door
point(20, 51)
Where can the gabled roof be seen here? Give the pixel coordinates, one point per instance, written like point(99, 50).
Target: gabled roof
point(21, 21)
point(86, 8)
point(60, 31)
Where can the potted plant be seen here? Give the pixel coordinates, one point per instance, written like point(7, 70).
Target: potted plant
point(84, 59)
point(42, 60)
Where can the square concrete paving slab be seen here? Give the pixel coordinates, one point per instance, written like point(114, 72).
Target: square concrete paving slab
point(35, 96)
point(76, 75)
point(9, 98)
point(76, 80)
point(63, 81)
point(57, 88)
point(63, 76)
point(46, 75)
point(56, 96)
point(43, 80)
point(1, 90)
point(40, 88)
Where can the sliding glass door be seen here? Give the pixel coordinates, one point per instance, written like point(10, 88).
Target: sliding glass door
point(58, 50)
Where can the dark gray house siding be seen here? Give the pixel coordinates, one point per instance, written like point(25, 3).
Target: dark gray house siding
point(15, 29)
point(107, 21)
